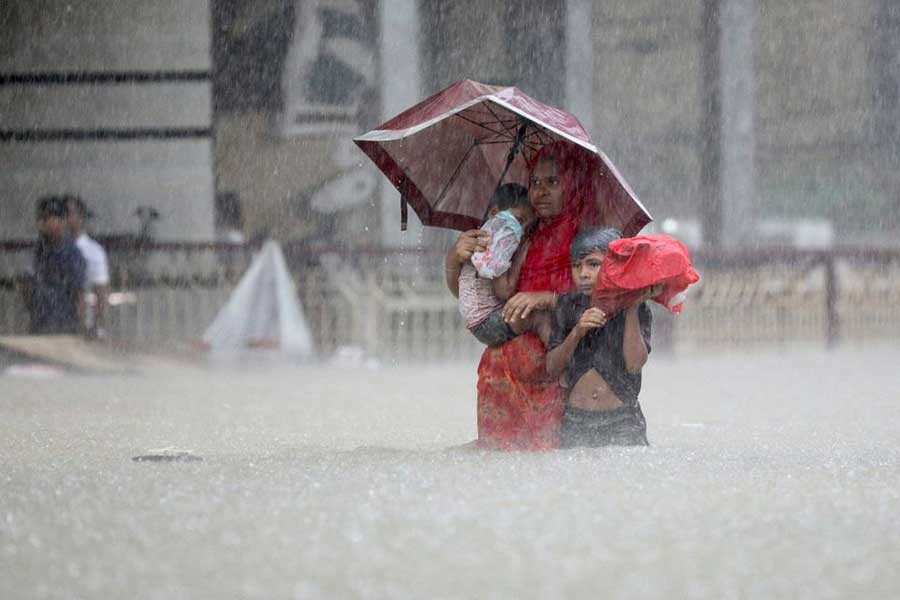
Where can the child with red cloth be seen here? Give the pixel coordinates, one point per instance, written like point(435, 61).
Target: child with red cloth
point(600, 355)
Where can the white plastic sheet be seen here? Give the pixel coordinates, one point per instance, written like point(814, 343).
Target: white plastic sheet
point(263, 312)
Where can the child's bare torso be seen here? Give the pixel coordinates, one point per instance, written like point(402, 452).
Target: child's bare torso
point(591, 392)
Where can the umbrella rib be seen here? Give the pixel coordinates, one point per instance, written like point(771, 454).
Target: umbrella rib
point(512, 130)
point(455, 174)
point(486, 142)
point(484, 126)
point(482, 109)
point(535, 132)
point(540, 132)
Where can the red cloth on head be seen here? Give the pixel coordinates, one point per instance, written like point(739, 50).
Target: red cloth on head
point(520, 406)
point(633, 264)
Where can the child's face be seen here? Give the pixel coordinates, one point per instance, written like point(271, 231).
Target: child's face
point(524, 214)
point(586, 269)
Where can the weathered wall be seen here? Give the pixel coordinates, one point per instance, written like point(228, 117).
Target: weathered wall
point(646, 105)
point(817, 108)
point(114, 176)
point(816, 103)
point(275, 177)
point(294, 82)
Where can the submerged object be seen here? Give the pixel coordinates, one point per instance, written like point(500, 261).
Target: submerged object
point(33, 370)
point(68, 351)
point(168, 455)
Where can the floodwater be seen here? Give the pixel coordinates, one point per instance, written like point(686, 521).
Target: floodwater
point(771, 475)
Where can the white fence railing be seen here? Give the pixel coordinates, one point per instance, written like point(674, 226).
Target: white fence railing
point(399, 310)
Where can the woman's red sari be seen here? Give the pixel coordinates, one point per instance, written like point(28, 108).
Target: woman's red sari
point(520, 406)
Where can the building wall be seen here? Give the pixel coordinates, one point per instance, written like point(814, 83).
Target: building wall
point(817, 105)
point(295, 81)
point(646, 98)
point(817, 108)
point(276, 177)
point(63, 129)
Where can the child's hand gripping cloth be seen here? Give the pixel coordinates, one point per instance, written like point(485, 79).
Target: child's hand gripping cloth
point(634, 264)
point(506, 233)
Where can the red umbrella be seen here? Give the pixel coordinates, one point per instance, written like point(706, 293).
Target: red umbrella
point(447, 155)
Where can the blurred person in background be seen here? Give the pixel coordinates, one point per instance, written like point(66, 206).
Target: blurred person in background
point(54, 292)
point(96, 285)
point(229, 233)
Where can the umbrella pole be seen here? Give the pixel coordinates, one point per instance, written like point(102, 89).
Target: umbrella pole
point(510, 157)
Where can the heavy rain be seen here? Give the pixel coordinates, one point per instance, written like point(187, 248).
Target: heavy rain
point(251, 345)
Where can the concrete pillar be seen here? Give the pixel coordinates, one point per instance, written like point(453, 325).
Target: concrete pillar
point(885, 68)
point(737, 45)
point(728, 94)
point(400, 88)
point(580, 62)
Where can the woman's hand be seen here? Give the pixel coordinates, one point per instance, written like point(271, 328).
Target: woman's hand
point(468, 243)
point(592, 318)
point(522, 304)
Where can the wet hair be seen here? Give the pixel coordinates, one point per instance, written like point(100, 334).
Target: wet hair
point(510, 195)
point(595, 238)
point(52, 206)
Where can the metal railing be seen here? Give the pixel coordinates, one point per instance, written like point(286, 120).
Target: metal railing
point(394, 305)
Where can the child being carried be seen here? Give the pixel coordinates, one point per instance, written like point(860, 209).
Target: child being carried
point(491, 276)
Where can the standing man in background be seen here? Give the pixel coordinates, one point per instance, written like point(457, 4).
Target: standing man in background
point(54, 293)
point(96, 283)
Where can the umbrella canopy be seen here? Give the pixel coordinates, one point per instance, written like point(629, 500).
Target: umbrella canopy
point(447, 155)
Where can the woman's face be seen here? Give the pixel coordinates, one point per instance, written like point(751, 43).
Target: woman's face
point(545, 189)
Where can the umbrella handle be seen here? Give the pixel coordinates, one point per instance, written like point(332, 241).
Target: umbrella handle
point(514, 148)
point(404, 212)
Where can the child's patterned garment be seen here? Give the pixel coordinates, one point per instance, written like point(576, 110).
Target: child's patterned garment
point(476, 292)
point(506, 233)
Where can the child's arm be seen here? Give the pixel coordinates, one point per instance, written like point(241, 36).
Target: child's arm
point(452, 269)
point(468, 242)
point(505, 285)
point(633, 346)
point(559, 357)
point(636, 331)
